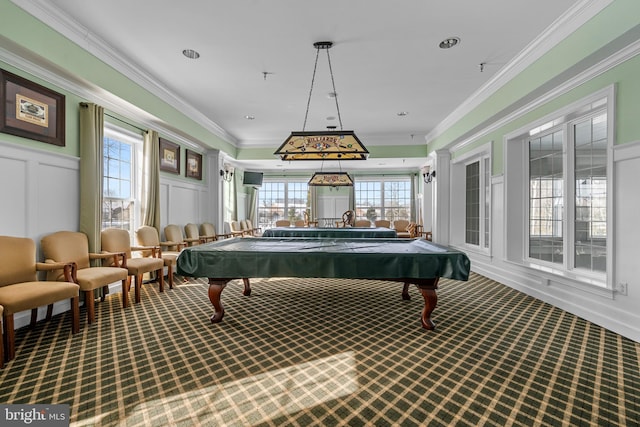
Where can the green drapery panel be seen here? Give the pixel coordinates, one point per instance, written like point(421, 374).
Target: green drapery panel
point(151, 180)
point(253, 199)
point(91, 171)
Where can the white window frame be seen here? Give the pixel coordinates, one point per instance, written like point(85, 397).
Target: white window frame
point(136, 142)
point(286, 182)
point(483, 155)
point(382, 180)
point(516, 180)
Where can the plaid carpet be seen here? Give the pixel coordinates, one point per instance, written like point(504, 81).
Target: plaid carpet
point(329, 352)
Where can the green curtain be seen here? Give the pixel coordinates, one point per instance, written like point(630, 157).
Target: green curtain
point(91, 171)
point(151, 180)
point(253, 199)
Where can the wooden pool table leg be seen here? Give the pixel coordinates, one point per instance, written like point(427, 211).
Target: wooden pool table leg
point(216, 286)
point(405, 292)
point(247, 287)
point(428, 291)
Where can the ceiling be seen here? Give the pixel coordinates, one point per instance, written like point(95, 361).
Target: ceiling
point(257, 59)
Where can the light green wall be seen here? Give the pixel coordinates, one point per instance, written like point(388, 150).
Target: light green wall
point(615, 20)
point(63, 55)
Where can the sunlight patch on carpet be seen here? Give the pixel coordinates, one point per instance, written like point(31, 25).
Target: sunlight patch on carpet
point(258, 398)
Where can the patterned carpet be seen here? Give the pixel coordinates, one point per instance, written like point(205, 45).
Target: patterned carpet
point(305, 352)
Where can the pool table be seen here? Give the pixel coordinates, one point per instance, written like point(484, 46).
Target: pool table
point(409, 261)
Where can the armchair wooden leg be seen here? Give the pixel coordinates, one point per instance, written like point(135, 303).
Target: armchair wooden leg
point(91, 306)
point(9, 337)
point(49, 312)
point(170, 275)
point(75, 315)
point(126, 284)
point(138, 285)
point(34, 317)
point(160, 278)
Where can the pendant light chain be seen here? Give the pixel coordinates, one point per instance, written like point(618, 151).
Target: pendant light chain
point(333, 83)
point(313, 79)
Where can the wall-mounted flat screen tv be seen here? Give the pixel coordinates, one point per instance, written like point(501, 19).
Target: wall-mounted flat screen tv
point(252, 178)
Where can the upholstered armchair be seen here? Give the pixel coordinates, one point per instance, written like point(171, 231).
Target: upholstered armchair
point(193, 233)
point(117, 240)
point(21, 290)
point(283, 223)
point(255, 231)
point(382, 223)
point(299, 223)
point(71, 246)
point(236, 229)
point(148, 237)
point(405, 229)
point(362, 223)
point(175, 239)
point(208, 232)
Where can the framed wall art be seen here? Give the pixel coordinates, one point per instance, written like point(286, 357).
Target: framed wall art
point(169, 156)
point(30, 110)
point(193, 165)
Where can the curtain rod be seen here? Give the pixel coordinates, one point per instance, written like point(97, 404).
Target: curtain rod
point(126, 122)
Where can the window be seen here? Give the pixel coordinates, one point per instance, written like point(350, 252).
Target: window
point(471, 213)
point(282, 200)
point(565, 182)
point(119, 196)
point(586, 160)
point(386, 198)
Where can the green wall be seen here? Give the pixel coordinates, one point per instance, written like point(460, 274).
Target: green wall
point(44, 45)
point(618, 20)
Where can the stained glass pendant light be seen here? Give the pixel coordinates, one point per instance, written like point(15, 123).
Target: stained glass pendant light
point(323, 145)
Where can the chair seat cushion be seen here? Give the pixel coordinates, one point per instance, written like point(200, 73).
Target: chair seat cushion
point(97, 277)
point(138, 266)
point(170, 258)
point(27, 295)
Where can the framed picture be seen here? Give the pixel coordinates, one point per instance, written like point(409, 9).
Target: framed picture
point(169, 156)
point(193, 165)
point(30, 110)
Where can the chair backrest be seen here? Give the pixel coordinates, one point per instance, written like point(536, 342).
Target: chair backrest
point(300, 223)
point(207, 229)
point(173, 233)
point(147, 236)
point(383, 223)
point(362, 223)
point(66, 246)
point(235, 226)
point(18, 259)
point(191, 230)
point(249, 224)
point(283, 223)
point(244, 226)
point(116, 240)
point(400, 224)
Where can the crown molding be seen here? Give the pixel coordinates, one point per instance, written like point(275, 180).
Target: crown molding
point(601, 67)
point(49, 14)
point(570, 21)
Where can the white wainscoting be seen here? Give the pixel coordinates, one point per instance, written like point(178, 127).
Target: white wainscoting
point(608, 308)
point(182, 202)
point(40, 195)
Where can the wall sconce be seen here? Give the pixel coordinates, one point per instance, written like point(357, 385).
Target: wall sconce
point(427, 175)
point(227, 172)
